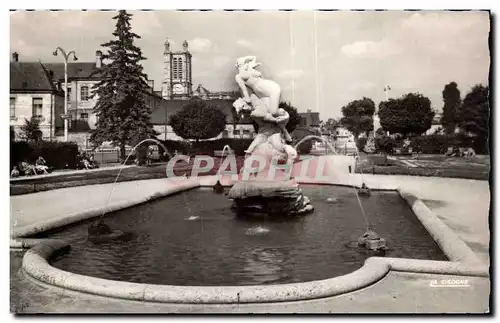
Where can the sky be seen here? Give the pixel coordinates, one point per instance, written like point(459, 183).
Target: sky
point(322, 60)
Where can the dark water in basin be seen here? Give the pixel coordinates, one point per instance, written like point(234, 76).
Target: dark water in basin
point(193, 238)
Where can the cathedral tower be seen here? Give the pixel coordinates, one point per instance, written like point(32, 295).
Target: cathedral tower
point(177, 76)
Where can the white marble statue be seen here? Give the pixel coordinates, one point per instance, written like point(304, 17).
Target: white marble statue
point(267, 91)
point(269, 137)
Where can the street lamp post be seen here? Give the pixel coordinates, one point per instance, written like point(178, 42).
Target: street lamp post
point(66, 57)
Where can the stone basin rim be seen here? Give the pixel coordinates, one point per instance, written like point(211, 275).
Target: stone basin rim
point(463, 262)
point(36, 265)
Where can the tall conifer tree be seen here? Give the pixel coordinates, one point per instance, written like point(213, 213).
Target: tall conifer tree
point(123, 117)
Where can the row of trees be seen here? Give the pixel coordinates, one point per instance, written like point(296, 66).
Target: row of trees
point(412, 115)
point(124, 117)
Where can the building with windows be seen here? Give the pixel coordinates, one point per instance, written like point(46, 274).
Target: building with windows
point(177, 88)
point(310, 119)
point(35, 93)
point(81, 78)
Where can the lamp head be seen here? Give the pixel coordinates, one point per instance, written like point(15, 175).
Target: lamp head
point(55, 53)
point(75, 58)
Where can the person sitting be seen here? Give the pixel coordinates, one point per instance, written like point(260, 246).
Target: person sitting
point(40, 165)
point(26, 168)
point(92, 162)
point(15, 172)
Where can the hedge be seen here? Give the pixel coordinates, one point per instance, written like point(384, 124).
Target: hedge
point(57, 154)
point(207, 147)
point(438, 144)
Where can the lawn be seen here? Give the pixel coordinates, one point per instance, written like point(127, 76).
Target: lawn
point(38, 184)
point(427, 165)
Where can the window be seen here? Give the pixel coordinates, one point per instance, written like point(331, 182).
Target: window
point(69, 94)
point(84, 93)
point(246, 132)
point(174, 68)
point(236, 132)
point(84, 116)
point(37, 111)
point(177, 68)
point(12, 108)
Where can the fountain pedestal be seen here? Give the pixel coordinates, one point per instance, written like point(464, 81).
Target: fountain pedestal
point(269, 197)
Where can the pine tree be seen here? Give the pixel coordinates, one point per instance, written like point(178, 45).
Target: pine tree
point(451, 99)
point(122, 113)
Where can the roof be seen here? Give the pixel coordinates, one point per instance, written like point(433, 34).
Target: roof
point(173, 106)
point(311, 118)
point(75, 70)
point(30, 76)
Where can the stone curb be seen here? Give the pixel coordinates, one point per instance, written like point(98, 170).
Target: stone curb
point(36, 265)
point(28, 230)
point(449, 242)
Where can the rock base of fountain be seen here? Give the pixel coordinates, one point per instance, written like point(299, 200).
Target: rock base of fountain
point(269, 197)
point(99, 232)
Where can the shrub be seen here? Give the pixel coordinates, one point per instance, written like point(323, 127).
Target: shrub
point(361, 143)
point(207, 147)
point(305, 147)
point(56, 154)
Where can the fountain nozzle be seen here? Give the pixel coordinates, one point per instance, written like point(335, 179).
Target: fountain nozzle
point(371, 240)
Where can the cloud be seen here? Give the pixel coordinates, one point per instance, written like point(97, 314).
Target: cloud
point(245, 43)
point(200, 45)
point(291, 73)
point(370, 49)
point(425, 33)
point(145, 22)
point(221, 61)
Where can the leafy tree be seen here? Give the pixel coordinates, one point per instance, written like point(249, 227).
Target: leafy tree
point(293, 121)
point(451, 98)
point(384, 143)
point(474, 115)
point(329, 127)
point(121, 109)
point(410, 114)
point(30, 131)
point(358, 116)
point(198, 120)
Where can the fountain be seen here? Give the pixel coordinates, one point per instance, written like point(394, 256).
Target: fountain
point(98, 231)
point(370, 239)
point(269, 189)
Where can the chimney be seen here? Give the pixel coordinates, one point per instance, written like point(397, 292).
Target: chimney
point(15, 57)
point(98, 59)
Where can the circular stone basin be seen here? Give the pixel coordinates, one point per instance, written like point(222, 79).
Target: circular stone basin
point(193, 238)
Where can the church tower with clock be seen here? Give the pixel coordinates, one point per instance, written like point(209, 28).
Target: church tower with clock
point(177, 76)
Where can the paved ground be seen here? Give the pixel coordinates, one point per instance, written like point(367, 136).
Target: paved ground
point(462, 204)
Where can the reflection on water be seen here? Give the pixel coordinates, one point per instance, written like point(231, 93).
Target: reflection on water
point(193, 238)
point(264, 265)
point(257, 230)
